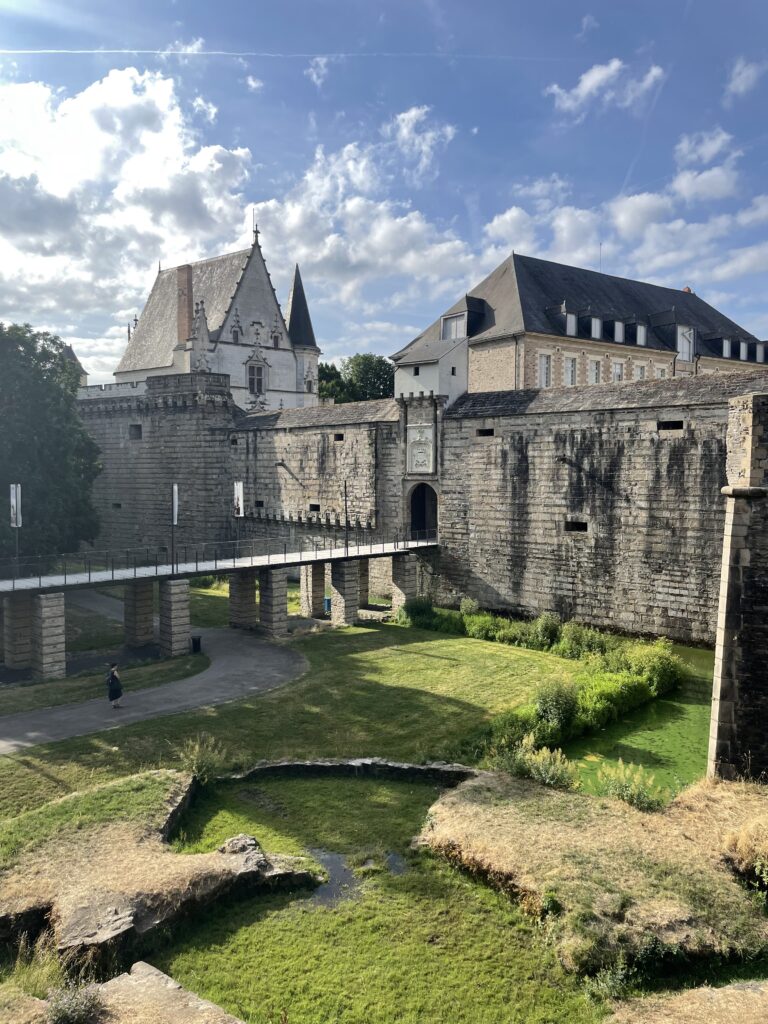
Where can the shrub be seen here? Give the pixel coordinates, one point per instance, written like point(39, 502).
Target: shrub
point(482, 626)
point(469, 606)
point(515, 633)
point(204, 582)
point(662, 670)
point(545, 631)
point(203, 756)
point(604, 696)
point(632, 784)
point(613, 982)
point(576, 641)
point(74, 1005)
point(556, 704)
point(447, 620)
point(416, 612)
point(549, 767)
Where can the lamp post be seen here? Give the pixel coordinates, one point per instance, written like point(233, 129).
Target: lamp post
point(346, 521)
point(174, 523)
point(16, 518)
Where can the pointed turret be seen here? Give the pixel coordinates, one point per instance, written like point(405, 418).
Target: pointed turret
point(297, 315)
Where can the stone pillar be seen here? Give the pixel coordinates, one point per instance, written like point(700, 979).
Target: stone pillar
point(312, 590)
point(345, 592)
point(363, 583)
point(49, 655)
point(2, 630)
point(404, 580)
point(243, 611)
point(174, 618)
point(273, 601)
point(139, 613)
point(17, 630)
point(738, 739)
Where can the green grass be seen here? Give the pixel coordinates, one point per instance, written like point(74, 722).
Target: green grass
point(424, 947)
point(669, 737)
point(88, 631)
point(30, 696)
point(377, 689)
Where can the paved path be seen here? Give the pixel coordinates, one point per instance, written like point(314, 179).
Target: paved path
point(241, 665)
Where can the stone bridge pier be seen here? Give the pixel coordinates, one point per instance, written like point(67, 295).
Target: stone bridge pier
point(34, 633)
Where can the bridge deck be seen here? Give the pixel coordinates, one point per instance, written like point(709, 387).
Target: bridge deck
point(183, 569)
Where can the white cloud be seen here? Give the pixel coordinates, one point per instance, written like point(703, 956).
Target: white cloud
point(318, 70)
point(418, 140)
point(718, 182)
point(631, 215)
point(180, 50)
point(751, 259)
point(589, 23)
point(205, 109)
point(515, 229)
point(590, 86)
point(254, 84)
point(702, 147)
point(743, 78)
point(545, 192)
point(634, 90)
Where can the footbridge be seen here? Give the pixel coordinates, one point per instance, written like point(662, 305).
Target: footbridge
point(32, 591)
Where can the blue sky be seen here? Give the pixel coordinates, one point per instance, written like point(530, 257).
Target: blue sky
point(399, 151)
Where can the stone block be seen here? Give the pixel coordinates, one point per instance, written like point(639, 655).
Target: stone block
point(243, 610)
point(17, 630)
point(174, 618)
point(345, 592)
point(139, 613)
point(312, 585)
point(273, 601)
point(49, 655)
point(364, 582)
point(404, 579)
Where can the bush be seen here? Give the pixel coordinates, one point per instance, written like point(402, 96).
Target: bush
point(576, 641)
point(613, 982)
point(204, 582)
point(515, 633)
point(604, 696)
point(446, 620)
point(662, 670)
point(556, 704)
point(469, 606)
point(74, 1005)
point(632, 784)
point(549, 767)
point(203, 756)
point(545, 631)
point(482, 626)
point(419, 614)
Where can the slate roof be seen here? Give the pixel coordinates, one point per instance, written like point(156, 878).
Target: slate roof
point(524, 294)
point(297, 316)
point(706, 389)
point(155, 337)
point(382, 410)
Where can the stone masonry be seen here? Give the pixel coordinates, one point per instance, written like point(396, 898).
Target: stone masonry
point(345, 592)
point(49, 659)
point(273, 601)
point(174, 618)
point(738, 743)
point(312, 590)
point(17, 630)
point(404, 580)
point(364, 583)
point(139, 613)
point(243, 610)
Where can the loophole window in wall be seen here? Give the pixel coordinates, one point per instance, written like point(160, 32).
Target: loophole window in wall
point(135, 431)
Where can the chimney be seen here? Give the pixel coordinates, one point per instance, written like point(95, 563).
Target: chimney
point(183, 302)
point(689, 290)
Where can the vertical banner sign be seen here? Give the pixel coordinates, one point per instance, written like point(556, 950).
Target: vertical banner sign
point(16, 506)
point(239, 509)
point(175, 505)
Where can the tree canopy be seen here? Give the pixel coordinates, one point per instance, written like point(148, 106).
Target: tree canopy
point(361, 377)
point(43, 445)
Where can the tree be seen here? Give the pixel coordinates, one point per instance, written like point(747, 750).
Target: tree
point(43, 445)
point(362, 377)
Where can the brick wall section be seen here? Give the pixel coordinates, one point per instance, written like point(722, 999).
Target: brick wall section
point(738, 739)
point(174, 618)
point(17, 628)
point(49, 660)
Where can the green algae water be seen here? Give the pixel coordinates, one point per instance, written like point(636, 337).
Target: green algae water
point(667, 737)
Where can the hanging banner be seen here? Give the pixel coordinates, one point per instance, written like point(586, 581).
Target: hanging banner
point(175, 504)
point(238, 508)
point(16, 506)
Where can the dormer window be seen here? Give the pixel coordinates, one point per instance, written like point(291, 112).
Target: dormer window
point(453, 327)
point(235, 336)
point(726, 348)
point(642, 334)
point(744, 350)
point(596, 327)
point(276, 340)
point(685, 343)
point(618, 330)
point(571, 325)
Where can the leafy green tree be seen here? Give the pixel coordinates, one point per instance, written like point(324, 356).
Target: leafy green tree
point(43, 445)
point(362, 377)
point(331, 384)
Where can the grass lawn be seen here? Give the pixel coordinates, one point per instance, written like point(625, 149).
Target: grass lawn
point(426, 946)
point(87, 631)
point(31, 696)
point(669, 737)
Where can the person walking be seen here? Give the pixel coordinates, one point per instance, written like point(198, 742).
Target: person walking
point(114, 686)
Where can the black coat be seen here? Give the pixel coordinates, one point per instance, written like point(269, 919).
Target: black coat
point(114, 689)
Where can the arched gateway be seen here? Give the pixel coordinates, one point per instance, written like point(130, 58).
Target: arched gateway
point(423, 512)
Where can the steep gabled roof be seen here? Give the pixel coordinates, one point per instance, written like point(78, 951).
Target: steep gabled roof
point(155, 337)
point(297, 315)
point(379, 410)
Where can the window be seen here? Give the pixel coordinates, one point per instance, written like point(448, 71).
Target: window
point(259, 503)
point(685, 343)
point(452, 327)
point(276, 341)
point(576, 526)
point(314, 506)
point(545, 371)
point(338, 437)
point(308, 386)
point(453, 371)
point(569, 370)
point(235, 336)
point(484, 432)
point(617, 371)
point(661, 372)
point(597, 327)
point(571, 324)
point(642, 334)
point(663, 425)
point(618, 330)
point(416, 371)
point(135, 431)
point(256, 379)
point(233, 441)
point(594, 371)
point(640, 372)
point(744, 350)
point(726, 348)
point(117, 504)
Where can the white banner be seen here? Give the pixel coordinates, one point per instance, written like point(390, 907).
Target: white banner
point(16, 506)
point(175, 504)
point(238, 510)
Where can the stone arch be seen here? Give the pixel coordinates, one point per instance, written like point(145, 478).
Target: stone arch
point(423, 511)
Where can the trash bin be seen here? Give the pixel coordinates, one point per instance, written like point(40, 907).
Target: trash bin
point(197, 644)
point(327, 605)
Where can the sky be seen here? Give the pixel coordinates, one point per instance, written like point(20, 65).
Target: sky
point(398, 151)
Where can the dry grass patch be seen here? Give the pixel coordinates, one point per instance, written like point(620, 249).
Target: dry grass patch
point(745, 1002)
point(612, 882)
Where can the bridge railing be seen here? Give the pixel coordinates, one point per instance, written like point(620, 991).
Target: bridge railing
point(205, 558)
